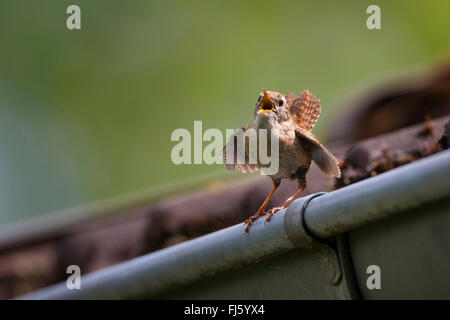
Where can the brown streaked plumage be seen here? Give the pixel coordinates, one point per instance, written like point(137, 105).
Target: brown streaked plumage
point(294, 117)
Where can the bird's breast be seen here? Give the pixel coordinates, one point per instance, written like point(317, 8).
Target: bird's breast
point(292, 154)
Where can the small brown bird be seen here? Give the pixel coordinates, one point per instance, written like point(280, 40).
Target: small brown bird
point(293, 117)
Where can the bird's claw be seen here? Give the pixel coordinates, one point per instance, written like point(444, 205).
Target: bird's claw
point(249, 221)
point(275, 210)
point(269, 214)
point(272, 211)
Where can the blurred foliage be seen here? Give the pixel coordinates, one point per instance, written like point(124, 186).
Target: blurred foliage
point(88, 114)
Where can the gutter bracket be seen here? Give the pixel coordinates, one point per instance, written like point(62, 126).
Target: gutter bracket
point(299, 235)
point(294, 222)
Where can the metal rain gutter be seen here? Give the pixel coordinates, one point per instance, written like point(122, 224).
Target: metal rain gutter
point(322, 215)
point(56, 223)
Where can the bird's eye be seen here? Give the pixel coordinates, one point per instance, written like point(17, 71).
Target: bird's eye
point(281, 102)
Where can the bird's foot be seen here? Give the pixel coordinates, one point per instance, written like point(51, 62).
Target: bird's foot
point(250, 220)
point(272, 211)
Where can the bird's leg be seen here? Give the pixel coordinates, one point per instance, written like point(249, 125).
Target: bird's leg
point(301, 187)
point(260, 211)
point(288, 201)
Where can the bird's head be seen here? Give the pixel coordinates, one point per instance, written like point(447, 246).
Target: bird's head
point(271, 104)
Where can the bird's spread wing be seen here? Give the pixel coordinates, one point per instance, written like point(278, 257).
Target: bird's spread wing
point(324, 159)
point(237, 150)
point(290, 97)
point(305, 109)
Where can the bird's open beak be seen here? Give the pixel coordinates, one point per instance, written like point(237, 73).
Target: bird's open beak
point(266, 104)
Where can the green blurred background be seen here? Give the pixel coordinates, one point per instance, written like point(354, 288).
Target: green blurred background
point(88, 114)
